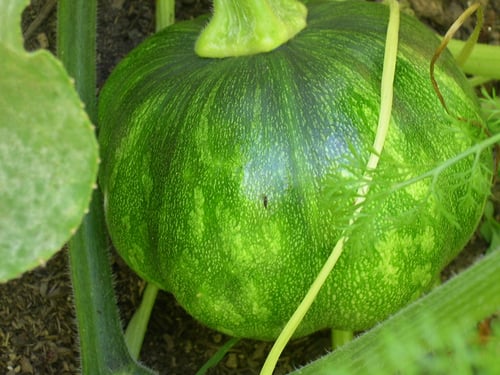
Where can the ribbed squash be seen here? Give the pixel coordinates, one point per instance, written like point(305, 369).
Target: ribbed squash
point(228, 182)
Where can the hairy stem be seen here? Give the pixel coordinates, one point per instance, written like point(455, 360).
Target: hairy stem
point(102, 345)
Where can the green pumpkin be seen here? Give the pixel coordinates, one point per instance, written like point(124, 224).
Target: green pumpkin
point(228, 182)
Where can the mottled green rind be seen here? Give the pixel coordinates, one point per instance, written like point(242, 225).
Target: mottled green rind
point(228, 182)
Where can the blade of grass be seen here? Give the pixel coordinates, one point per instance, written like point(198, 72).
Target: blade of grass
point(217, 357)
point(102, 344)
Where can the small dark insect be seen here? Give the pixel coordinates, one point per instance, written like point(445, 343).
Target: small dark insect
point(265, 201)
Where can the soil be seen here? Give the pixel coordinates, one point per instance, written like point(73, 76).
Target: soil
point(37, 324)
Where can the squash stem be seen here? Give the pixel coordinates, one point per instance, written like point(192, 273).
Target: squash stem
point(478, 80)
point(340, 338)
point(76, 48)
point(247, 27)
point(165, 13)
point(102, 346)
point(389, 68)
point(483, 61)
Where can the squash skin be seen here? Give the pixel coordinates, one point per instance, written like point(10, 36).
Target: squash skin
point(228, 181)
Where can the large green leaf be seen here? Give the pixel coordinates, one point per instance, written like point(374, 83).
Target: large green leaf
point(48, 152)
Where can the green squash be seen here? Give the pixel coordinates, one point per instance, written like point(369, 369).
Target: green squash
point(228, 182)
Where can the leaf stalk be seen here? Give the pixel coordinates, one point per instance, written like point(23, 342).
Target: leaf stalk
point(102, 345)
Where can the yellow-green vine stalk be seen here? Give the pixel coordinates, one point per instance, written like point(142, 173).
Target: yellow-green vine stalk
point(386, 93)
